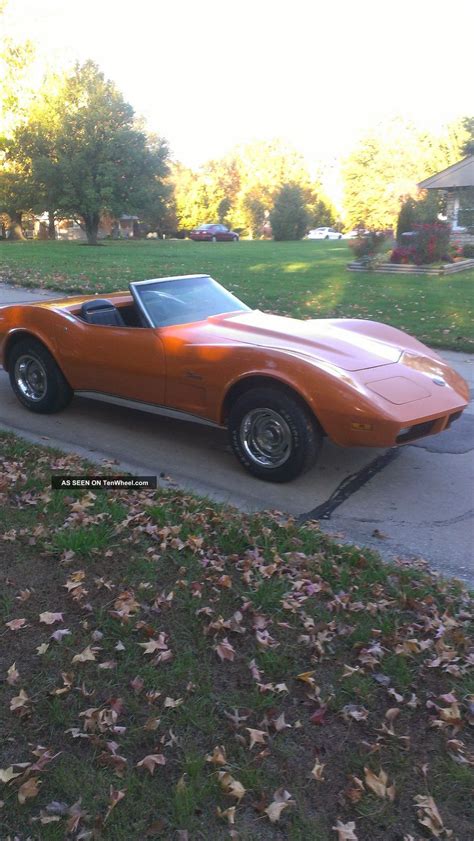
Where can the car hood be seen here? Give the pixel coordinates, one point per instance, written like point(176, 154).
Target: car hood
point(350, 344)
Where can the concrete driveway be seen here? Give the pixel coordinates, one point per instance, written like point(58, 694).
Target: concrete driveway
point(412, 502)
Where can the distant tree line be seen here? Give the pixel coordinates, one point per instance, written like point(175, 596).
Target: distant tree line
point(382, 172)
point(241, 189)
point(75, 149)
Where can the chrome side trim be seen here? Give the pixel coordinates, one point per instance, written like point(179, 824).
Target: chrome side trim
point(152, 408)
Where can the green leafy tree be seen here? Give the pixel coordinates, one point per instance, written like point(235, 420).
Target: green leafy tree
point(468, 125)
point(321, 211)
point(245, 183)
point(15, 95)
point(406, 217)
point(223, 209)
point(192, 198)
point(88, 156)
point(253, 212)
point(289, 217)
point(386, 166)
point(30, 152)
point(425, 209)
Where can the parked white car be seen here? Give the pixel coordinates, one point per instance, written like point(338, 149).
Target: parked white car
point(357, 232)
point(324, 233)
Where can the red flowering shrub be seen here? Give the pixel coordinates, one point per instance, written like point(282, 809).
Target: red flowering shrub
point(429, 245)
point(432, 241)
point(403, 254)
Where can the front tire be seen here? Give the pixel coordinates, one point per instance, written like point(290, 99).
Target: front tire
point(273, 434)
point(36, 379)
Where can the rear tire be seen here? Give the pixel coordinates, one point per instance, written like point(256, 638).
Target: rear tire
point(36, 379)
point(273, 434)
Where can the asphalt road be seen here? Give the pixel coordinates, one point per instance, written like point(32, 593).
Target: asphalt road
point(413, 502)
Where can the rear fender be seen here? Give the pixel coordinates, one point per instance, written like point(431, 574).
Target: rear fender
point(16, 335)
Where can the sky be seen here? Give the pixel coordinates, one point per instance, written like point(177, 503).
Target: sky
point(208, 75)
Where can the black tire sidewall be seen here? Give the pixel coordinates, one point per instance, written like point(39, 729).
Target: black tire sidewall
point(306, 439)
point(58, 392)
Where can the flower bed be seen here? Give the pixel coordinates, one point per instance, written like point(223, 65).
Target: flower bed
point(406, 268)
point(425, 250)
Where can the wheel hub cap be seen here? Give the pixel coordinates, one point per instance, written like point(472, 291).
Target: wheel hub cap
point(266, 437)
point(30, 377)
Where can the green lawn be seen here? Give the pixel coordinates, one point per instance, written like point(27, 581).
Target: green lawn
point(175, 669)
point(302, 279)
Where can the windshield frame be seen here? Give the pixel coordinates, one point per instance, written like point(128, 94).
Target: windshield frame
point(136, 287)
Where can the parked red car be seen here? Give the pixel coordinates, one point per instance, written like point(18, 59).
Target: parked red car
point(213, 233)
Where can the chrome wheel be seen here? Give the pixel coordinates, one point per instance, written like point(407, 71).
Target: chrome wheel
point(266, 437)
point(30, 377)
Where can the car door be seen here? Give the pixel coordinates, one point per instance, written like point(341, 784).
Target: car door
point(127, 362)
point(222, 233)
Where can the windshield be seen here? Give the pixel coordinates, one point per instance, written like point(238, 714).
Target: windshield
point(184, 299)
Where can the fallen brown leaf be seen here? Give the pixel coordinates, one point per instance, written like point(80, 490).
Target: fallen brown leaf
point(282, 799)
point(29, 789)
point(345, 831)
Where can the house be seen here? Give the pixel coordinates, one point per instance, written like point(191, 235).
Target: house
point(457, 182)
point(122, 228)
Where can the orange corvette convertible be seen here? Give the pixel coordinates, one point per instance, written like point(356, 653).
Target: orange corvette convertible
point(279, 384)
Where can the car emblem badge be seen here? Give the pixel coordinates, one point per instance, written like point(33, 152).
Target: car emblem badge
point(438, 381)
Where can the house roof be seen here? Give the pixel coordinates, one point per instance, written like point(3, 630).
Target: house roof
point(460, 174)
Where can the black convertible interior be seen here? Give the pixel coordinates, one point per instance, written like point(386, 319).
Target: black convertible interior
point(103, 312)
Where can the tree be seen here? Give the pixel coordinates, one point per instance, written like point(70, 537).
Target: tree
point(191, 196)
point(244, 183)
point(87, 155)
point(422, 210)
point(15, 96)
point(321, 211)
point(468, 125)
point(386, 166)
point(289, 217)
point(223, 209)
point(252, 211)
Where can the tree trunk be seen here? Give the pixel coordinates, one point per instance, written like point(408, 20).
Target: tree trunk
point(14, 228)
point(91, 221)
point(51, 225)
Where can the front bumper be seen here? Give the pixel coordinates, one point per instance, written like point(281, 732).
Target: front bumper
point(385, 418)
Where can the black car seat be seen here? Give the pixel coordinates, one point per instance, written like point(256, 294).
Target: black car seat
point(100, 311)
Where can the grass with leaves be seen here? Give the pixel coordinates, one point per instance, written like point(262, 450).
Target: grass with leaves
point(305, 279)
point(175, 669)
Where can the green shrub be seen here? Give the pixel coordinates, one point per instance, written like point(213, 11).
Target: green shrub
point(406, 218)
point(289, 217)
point(368, 245)
point(424, 210)
point(468, 251)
